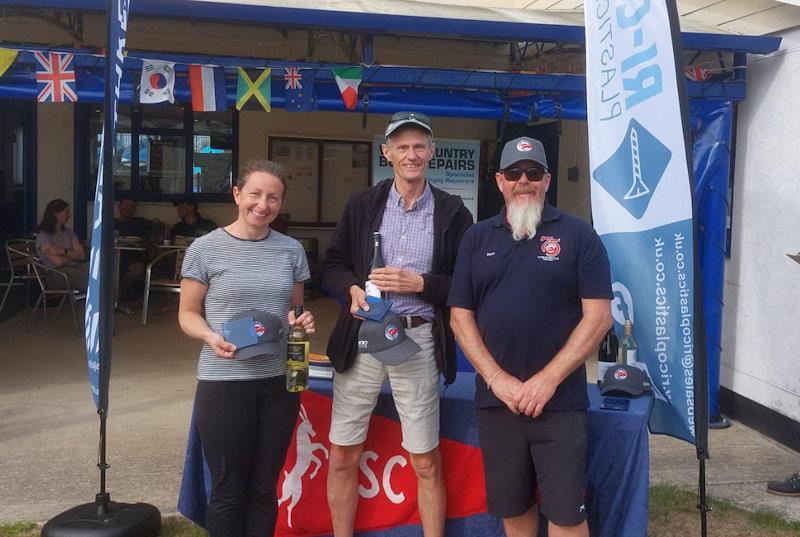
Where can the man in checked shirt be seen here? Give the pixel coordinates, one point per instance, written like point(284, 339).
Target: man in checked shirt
point(421, 227)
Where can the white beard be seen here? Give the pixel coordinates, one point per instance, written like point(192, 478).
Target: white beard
point(524, 218)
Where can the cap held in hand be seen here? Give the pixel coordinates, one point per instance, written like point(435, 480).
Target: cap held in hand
point(386, 340)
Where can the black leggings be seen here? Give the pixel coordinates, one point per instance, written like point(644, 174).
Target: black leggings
point(245, 428)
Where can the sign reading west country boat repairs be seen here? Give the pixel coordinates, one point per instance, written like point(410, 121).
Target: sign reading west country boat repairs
point(641, 197)
point(453, 168)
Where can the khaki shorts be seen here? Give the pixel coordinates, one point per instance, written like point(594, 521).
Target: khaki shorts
point(415, 389)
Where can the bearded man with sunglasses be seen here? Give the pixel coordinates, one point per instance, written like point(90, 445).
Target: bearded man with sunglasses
point(421, 227)
point(530, 300)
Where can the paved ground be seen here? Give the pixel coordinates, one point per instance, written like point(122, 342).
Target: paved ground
point(49, 431)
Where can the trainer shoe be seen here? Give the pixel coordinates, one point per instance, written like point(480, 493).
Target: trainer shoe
point(788, 487)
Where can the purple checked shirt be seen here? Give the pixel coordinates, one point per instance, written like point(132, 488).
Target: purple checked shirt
point(407, 243)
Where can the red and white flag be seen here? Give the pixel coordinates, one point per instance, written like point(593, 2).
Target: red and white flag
point(55, 77)
point(697, 73)
point(208, 88)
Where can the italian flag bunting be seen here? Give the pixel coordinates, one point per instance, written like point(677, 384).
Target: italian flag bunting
point(348, 79)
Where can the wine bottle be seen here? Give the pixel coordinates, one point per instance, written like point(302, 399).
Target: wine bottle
point(297, 356)
point(607, 354)
point(377, 262)
point(628, 347)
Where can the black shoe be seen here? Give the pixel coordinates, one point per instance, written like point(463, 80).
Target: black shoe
point(788, 487)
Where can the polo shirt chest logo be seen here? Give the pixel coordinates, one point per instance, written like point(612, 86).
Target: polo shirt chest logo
point(550, 248)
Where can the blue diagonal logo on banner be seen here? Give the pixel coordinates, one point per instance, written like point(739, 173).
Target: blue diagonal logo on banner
point(633, 172)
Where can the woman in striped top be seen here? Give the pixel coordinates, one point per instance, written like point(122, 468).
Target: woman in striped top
point(244, 414)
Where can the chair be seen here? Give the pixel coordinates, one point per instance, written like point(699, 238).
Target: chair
point(18, 253)
point(169, 285)
point(43, 276)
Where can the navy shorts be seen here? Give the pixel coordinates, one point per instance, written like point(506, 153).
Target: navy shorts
point(521, 453)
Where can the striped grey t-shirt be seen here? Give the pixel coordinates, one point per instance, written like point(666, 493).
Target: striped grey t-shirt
point(240, 275)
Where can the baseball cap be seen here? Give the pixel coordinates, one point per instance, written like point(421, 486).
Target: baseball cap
point(269, 331)
point(399, 119)
point(522, 148)
point(625, 379)
point(386, 340)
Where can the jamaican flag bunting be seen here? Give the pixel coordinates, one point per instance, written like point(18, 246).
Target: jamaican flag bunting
point(254, 90)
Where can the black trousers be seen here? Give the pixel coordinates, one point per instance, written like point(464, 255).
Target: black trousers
point(245, 428)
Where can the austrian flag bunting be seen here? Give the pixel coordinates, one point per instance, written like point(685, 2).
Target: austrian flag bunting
point(348, 79)
point(55, 77)
point(208, 88)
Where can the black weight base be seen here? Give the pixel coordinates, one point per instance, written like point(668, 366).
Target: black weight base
point(120, 520)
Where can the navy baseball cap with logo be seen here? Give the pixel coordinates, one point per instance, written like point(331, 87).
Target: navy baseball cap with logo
point(400, 119)
point(268, 329)
point(522, 148)
point(625, 379)
point(386, 340)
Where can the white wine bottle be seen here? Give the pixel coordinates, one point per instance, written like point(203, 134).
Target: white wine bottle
point(297, 356)
point(628, 347)
point(377, 262)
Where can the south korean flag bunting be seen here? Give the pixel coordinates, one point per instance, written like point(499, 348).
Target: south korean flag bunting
point(158, 82)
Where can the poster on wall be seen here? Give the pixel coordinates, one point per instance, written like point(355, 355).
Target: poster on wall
point(453, 168)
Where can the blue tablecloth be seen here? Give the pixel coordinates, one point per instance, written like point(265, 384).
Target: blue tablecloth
point(618, 464)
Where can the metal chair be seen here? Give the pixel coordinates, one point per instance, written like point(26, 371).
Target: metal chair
point(18, 253)
point(169, 285)
point(43, 275)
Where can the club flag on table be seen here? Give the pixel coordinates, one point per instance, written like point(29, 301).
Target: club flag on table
point(642, 199)
point(254, 89)
point(158, 82)
point(208, 88)
point(299, 89)
point(7, 57)
point(348, 79)
point(55, 77)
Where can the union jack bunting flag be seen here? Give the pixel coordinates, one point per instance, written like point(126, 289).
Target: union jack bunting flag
point(55, 78)
point(697, 73)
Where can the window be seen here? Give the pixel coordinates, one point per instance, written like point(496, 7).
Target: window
point(178, 152)
point(322, 176)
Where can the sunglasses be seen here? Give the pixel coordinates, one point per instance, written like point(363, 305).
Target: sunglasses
point(403, 116)
point(534, 174)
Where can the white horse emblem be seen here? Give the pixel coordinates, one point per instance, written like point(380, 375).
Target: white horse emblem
point(292, 488)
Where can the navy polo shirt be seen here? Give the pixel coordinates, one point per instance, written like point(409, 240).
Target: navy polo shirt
point(527, 294)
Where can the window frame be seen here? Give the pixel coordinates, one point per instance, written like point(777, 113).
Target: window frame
point(320, 180)
point(83, 155)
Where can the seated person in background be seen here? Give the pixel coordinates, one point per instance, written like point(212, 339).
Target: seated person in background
point(132, 264)
point(59, 248)
point(191, 223)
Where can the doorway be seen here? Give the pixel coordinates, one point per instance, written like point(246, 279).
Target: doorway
point(17, 180)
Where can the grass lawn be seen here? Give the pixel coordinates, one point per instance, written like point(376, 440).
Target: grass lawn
point(673, 513)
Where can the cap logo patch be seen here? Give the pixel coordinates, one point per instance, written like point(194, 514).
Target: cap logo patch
point(391, 332)
point(259, 328)
point(524, 145)
point(620, 374)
